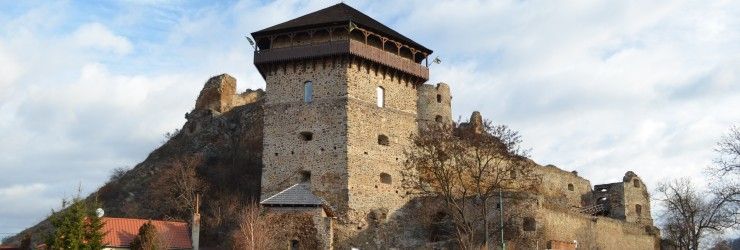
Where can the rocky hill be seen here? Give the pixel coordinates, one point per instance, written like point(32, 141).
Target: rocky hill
point(217, 154)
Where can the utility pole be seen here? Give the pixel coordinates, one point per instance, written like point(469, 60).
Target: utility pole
point(501, 217)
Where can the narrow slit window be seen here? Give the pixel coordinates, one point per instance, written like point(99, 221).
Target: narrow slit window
point(380, 95)
point(308, 92)
point(638, 209)
point(439, 98)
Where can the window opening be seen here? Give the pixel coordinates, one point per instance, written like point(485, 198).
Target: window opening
point(308, 92)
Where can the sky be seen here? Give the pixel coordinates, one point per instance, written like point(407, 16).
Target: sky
point(600, 87)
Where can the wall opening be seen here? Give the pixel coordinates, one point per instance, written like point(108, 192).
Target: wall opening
point(512, 173)
point(380, 96)
point(385, 178)
point(638, 209)
point(570, 187)
point(602, 199)
point(306, 136)
point(636, 183)
point(305, 176)
point(438, 118)
point(439, 98)
point(383, 140)
point(529, 224)
point(294, 245)
point(441, 227)
point(307, 91)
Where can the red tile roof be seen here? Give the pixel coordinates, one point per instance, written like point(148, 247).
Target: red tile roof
point(121, 231)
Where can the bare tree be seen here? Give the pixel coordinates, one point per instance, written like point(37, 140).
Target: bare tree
point(728, 149)
point(467, 166)
point(691, 215)
point(252, 231)
point(176, 188)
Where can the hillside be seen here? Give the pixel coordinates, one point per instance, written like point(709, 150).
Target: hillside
point(217, 152)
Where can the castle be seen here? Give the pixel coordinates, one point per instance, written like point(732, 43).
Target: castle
point(344, 95)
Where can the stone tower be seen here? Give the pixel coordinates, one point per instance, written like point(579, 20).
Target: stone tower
point(340, 107)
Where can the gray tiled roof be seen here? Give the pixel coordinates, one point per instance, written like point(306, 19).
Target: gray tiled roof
point(299, 194)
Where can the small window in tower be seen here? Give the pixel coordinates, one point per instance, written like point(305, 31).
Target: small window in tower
point(380, 94)
point(570, 187)
point(383, 140)
point(439, 98)
point(638, 209)
point(529, 224)
point(305, 176)
point(308, 92)
point(306, 136)
point(636, 183)
point(294, 245)
point(385, 178)
point(438, 118)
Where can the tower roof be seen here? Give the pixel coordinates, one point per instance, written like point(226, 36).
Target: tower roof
point(338, 14)
point(299, 194)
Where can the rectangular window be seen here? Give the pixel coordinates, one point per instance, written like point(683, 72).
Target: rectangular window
point(380, 94)
point(308, 92)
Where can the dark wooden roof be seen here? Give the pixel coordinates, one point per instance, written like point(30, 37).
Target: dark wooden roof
point(339, 14)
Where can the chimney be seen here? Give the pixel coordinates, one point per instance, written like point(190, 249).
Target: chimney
point(195, 224)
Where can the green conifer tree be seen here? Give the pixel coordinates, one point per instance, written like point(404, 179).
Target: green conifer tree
point(76, 226)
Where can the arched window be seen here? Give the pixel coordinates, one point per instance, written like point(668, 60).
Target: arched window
point(385, 178)
point(570, 187)
point(383, 140)
point(294, 245)
point(380, 95)
point(636, 183)
point(308, 92)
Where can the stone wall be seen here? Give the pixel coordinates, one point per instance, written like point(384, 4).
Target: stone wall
point(562, 188)
point(592, 232)
point(434, 104)
point(377, 137)
point(288, 155)
point(219, 94)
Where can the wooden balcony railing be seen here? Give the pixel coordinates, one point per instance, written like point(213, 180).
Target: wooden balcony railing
point(342, 47)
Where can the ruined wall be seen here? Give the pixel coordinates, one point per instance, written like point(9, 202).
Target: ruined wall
point(434, 104)
point(636, 200)
point(287, 154)
point(219, 94)
point(562, 188)
point(593, 232)
point(628, 200)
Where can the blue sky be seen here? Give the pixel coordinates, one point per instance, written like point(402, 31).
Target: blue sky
point(600, 87)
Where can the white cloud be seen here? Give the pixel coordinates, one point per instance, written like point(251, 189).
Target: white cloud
point(9, 70)
point(96, 35)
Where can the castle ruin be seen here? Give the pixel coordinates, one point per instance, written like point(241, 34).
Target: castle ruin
point(344, 94)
